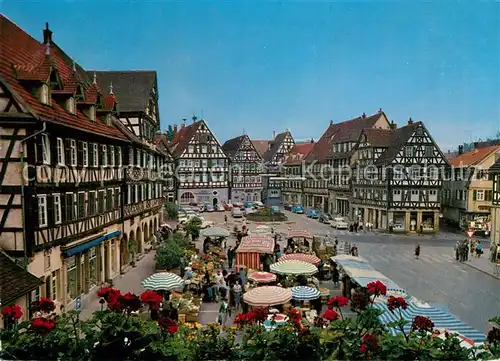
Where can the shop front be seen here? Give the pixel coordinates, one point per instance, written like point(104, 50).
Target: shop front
point(398, 221)
point(428, 221)
point(88, 264)
point(480, 221)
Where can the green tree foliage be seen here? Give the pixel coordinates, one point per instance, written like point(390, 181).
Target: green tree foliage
point(193, 227)
point(170, 133)
point(172, 210)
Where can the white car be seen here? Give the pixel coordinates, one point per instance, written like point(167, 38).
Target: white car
point(339, 223)
point(236, 212)
point(249, 210)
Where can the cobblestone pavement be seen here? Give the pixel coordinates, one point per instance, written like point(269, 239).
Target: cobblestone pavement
point(130, 281)
point(436, 276)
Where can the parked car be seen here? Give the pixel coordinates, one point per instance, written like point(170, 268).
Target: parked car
point(247, 211)
point(219, 208)
point(298, 209)
point(248, 205)
point(312, 213)
point(287, 206)
point(339, 223)
point(228, 206)
point(325, 218)
point(236, 212)
point(258, 204)
point(209, 208)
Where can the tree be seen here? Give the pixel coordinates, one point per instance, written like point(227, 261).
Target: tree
point(172, 210)
point(193, 227)
point(170, 133)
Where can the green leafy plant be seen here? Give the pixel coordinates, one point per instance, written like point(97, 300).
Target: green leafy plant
point(193, 227)
point(172, 210)
point(168, 256)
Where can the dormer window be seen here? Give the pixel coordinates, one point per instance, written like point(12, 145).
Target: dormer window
point(79, 93)
point(71, 105)
point(55, 82)
point(44, 94)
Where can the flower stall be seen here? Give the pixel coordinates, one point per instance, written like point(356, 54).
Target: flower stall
point(250, 249)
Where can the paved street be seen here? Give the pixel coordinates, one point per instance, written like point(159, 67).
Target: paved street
point(436, 277)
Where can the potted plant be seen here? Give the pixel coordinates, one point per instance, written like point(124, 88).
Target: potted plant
point(168, 257)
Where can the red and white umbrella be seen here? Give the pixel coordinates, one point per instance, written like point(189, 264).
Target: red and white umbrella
point(309, 258)
point(299, 234)
point(262, 277)
point(266, 296)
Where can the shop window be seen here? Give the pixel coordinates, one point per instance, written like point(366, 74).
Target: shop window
point(72, 278)
point(92, 267)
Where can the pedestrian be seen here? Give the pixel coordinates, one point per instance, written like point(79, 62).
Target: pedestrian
point(225, 219)
point(237, 294)
point(479, 249)
point(224, 311)
point(457, 250)
point(466, 250)
point(421, 229)
point(417, 250)
point(230, 257)
point(335, 275)
point(321, 270)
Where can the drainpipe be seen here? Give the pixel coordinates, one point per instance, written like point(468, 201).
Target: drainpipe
point(21, 152)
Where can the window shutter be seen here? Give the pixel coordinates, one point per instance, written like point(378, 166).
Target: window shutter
point(90, 147)
point(67, 151)
point(39, 149)
point(50, 210)
point(69, 207)
point(474, 195)
point(53, 150)
point(80, 154)
point(62, 201)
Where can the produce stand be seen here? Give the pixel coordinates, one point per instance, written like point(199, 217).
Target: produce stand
point(187, 305)
point(250, 249)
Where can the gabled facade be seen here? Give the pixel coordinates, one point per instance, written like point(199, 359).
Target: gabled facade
point(202, 165)
point(63, 171)
point(246, 168)
point(293, 186)
point(272, 180)
point(411, 167)
point(494, 170)
point(468, 193)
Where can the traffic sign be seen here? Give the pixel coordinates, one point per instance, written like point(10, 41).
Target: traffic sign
point(470, 233)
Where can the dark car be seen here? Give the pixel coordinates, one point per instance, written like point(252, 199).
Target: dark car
point(287, 206)
point(325, 218)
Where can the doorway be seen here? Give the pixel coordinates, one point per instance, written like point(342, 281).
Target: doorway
point(413, 221)
point(215, 201)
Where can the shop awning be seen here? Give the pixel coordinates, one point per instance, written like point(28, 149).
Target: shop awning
point(440, 317)
point(92, 243)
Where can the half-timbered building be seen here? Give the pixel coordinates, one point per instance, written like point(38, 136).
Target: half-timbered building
point(494, 170)
point(343, 141)
point(63, 157)
point(202, 167)
point(246, 168)
point(293, 186)
point(273, 157)
point(411, 167)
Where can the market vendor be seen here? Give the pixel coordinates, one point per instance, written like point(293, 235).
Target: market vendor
point(188, 273)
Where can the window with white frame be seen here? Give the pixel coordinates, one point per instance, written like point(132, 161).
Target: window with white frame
point(414, 195)
point(112, 156)
point(119, 156)
point(57, 209)
point(398, 173)
point(409, 151)
point(136, 193)
point(190, 149)
point(85, 149)
point(42, 210)
point(75, 205)
point(433, 195)
point(45, 149)
point(104, 149)
point(95, 150)
point(433, 173)
point(60, 151)
point(480, 196)
point(138, 163)
point(54, 285)
point(131, 156)
point(73, 152)
point(396, 194)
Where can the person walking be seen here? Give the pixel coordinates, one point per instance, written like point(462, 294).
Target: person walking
point(417, 250)
point(457, 250)
point(225, 219)
point(479, 249)
point(230, 256)
point(237, 289)
point(224, 311)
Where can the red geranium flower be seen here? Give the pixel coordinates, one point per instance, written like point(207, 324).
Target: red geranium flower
point(240, 319)
point(168, 324)
point(13, 312)
point(339, 301)
point(369, 343)
point(107, 293)
point(293, 314)
point(422, 324)
point(44, 305)
point(152, 299)
point(377, 288)
point(260, 314)
point(396, 302)
point(331, 315)
point(43, 325)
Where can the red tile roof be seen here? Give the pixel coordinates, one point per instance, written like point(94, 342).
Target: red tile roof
point(25, 59)
point(298, 153)
point(261, 146)
point(473, 157)
point(182, 138)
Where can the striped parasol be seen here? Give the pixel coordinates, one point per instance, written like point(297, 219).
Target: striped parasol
point(215, 232)
point(262, 277)
point(299, 234)
point(162, 281)
point(266, 296)
point(309, 258)
point(294, 267)
point(305, 293)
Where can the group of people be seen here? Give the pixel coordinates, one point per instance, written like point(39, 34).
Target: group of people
point(462, 249)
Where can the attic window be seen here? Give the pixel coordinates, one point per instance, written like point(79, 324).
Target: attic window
point(44, 94)
point(79, 93)
point(55, 82)
point(419, 132)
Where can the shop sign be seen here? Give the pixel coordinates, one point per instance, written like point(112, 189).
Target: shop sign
point(470, 233)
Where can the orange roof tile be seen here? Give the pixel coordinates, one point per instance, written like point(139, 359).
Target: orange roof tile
point(298, 153)
point(261, 146)
point(473, 157)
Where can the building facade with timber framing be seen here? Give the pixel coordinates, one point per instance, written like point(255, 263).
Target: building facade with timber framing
point(82, 189)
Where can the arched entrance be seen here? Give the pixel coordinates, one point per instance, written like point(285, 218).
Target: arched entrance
point(215, 201)
point(151, 230)
point(155, 225)
point(139, 240)
point(186, 198)
point(146, 233)
point(124, 250)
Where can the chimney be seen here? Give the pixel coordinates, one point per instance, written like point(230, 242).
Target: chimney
point(379, 110)
point(331, 122)
point(410, 121)
point(47, 34)
point(393, 125)
point(363, 116)
point(274, 134)
point(312, 140)
point(460, 149)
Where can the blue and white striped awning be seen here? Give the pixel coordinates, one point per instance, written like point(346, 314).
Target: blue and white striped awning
point(391, 286)
point(305, 293)
point(351, 263)
point(440, 317)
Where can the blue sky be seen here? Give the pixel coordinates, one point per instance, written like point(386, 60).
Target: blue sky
point(264, 66)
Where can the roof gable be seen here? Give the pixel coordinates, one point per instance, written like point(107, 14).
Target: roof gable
point(298, 153)
point(261, 146)
point(231, 146)
point(275, 145)
point(379, 138)
point(475, 157)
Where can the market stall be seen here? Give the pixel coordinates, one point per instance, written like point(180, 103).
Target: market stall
point(163, 281)
point(294, 267)
point(305, 293)
point(213, 238)
point(187, 305)
point(309, 258)
point(266, 296)
point(262, 277)
point(299, 242)
point(250, 249)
